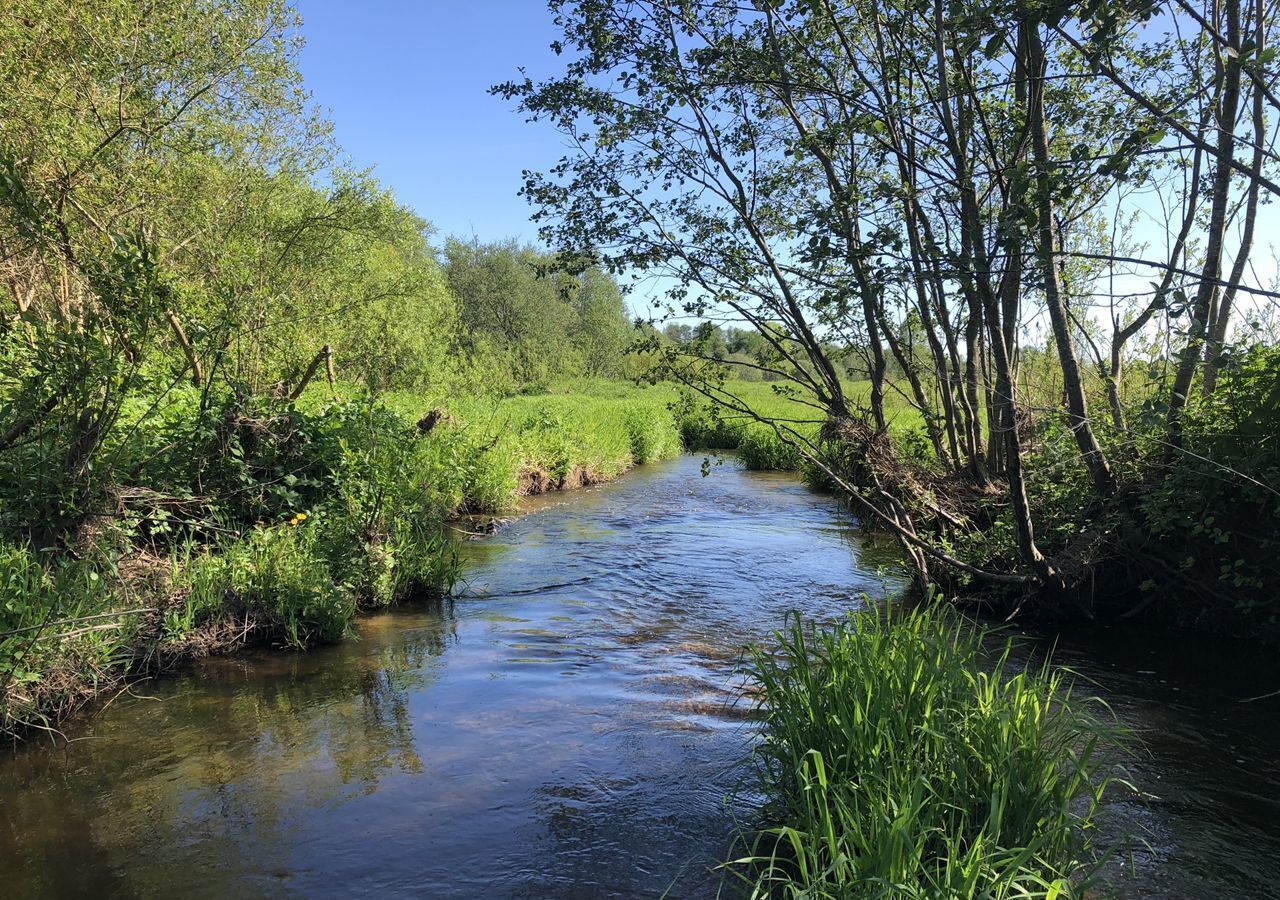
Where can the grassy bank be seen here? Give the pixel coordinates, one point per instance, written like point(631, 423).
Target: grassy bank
point(705, 425)
point(279, 521)
point(899, 761)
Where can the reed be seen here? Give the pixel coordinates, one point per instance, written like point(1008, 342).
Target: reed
point(900, 759)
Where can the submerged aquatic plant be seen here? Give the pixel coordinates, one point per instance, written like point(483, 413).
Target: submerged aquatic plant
point(900, 760)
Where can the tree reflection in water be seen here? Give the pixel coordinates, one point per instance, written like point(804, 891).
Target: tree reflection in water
point(215, 769)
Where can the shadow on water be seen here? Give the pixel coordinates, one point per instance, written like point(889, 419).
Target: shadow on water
point(1206, 823)
point(570, 726)
point(210, 773)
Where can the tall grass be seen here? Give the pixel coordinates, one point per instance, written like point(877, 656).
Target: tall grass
point(899, 760)
point(51, 640)
point(260, 518)
point(275, 574)
point(706, 426)
point(498, 444)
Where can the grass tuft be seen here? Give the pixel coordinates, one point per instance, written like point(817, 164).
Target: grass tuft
point(899, 760)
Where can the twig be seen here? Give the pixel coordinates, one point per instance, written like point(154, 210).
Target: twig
point(105, 615)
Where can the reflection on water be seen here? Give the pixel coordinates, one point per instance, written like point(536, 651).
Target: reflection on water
point(570, 726)
point(216, 772)
point(1209, 763)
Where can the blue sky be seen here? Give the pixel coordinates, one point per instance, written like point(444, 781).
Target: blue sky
point(406, 82)
point(405, 85)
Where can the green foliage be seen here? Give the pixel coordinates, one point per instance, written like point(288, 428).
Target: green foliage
point(704, 425)
point(1214, 515)
point(762, 448)
point(584, 432)
point(708, 425)
point(651, 434)
point(281, 519)
point(46, 643)
point(32, 595)
point(899, 760)
point(275, 574)
point(529, 320)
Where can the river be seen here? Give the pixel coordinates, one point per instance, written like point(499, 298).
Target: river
point(571, 725)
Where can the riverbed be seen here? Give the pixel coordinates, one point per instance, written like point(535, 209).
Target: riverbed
point(572, 724)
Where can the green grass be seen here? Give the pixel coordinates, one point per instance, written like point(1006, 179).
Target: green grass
point(562, 438)
point(275, 573)
point(899, 760)
point(706, 426)
point(285, 525)
point(47, 645)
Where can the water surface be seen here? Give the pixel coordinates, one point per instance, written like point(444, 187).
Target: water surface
point(570, 726)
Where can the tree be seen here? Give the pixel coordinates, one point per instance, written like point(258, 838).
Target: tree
point(915, 184)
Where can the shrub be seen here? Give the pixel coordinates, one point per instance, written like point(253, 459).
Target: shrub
point(274, 574)
point(44, 631)
point(1214, 514)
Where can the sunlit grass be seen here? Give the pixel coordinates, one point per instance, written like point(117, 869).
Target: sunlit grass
point(561, 437)
point(899, 760)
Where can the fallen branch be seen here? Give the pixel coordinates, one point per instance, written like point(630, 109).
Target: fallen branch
point(76, 621)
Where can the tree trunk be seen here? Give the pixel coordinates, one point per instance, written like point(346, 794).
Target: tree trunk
point(1212, 271)
point(1217, 328)
point(1077, 403)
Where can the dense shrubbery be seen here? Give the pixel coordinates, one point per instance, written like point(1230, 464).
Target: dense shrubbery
point(1215, 517)
point(248, 517)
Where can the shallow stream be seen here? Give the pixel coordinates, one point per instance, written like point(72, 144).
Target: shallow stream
point(571, 725)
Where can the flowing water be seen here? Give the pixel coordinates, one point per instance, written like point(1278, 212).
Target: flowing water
point(570, 726)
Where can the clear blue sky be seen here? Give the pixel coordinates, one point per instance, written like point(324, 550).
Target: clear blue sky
point(405, 85)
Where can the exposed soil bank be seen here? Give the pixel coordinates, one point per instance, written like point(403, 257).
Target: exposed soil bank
point(534, 481)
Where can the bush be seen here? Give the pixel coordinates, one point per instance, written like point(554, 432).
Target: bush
point(703, 426)
point(275, 575)
point(1214, 515)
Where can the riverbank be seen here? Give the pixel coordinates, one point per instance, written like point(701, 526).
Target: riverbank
point(287, 523)
point(1177, 546)
point(277, 522)
point(272, 521)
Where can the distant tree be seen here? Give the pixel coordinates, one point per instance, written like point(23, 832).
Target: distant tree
point(535, 320)
point(602, 331)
